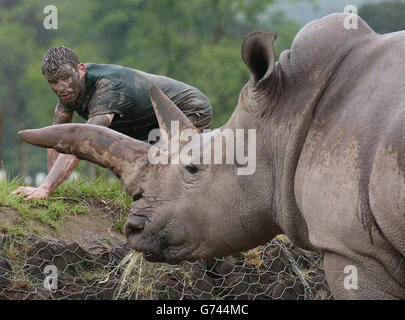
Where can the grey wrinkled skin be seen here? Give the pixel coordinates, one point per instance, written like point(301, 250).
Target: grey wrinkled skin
point(330, 166)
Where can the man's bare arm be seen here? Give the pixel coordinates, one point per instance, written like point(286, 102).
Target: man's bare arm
point(59, 118)
point(62, 168)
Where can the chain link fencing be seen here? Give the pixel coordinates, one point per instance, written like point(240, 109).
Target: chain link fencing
point(32, 268)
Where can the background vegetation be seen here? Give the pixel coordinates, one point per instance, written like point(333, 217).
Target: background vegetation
point(197, 42)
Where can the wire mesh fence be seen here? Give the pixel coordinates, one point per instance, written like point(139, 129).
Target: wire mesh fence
point(35, 268)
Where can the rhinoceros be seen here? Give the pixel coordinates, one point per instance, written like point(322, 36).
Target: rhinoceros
point(329, 117)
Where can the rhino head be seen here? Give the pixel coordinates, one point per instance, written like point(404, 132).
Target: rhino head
point(185, 210)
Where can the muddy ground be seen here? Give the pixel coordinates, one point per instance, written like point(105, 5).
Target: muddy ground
point(84, 249)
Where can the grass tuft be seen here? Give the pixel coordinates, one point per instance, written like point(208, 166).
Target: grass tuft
point(70, 198)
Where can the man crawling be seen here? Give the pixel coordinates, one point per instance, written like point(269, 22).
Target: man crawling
point(111, 96)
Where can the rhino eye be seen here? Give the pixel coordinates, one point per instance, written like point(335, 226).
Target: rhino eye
point(137, 196)
point(192, 168)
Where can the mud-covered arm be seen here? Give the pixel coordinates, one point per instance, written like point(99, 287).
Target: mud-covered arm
point(61, 115)
point(62, 168)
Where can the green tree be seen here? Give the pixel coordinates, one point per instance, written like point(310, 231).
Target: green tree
point(384, 17)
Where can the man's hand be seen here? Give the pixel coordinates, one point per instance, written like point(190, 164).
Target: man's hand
point(63, 167)
point(33, 193)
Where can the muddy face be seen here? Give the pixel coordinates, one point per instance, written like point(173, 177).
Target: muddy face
point(67, 83)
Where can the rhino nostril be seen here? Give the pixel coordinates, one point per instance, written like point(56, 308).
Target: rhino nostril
point(134, 223)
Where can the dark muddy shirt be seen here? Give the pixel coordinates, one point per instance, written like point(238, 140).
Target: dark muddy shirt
point(125, 92)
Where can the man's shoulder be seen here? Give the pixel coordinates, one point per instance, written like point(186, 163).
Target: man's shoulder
point(96, 72)
point(132, 80)
point(104, 69)
point(118, 70)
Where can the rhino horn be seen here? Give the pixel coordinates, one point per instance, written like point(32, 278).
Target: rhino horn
point(258, 54)
point(166, 112)
point(97, 144)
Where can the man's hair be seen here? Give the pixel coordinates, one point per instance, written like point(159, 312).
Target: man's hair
point(58, 56)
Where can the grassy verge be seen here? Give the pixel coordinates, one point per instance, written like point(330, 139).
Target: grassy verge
point(70, 198)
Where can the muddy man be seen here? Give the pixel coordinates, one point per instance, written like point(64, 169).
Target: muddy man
point(108, 95)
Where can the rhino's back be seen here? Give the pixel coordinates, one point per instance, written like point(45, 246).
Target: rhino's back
point(351, 173)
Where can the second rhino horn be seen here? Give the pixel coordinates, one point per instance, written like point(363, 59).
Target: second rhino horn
point(166, 112)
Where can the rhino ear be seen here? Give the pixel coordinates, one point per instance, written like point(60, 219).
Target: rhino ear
point(258, 54)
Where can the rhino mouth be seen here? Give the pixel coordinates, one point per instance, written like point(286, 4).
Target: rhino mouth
point(150, 256)
point(151, 249)
point(153, 257)
point(154, 249)
point(156, 252)
point(154, 244)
